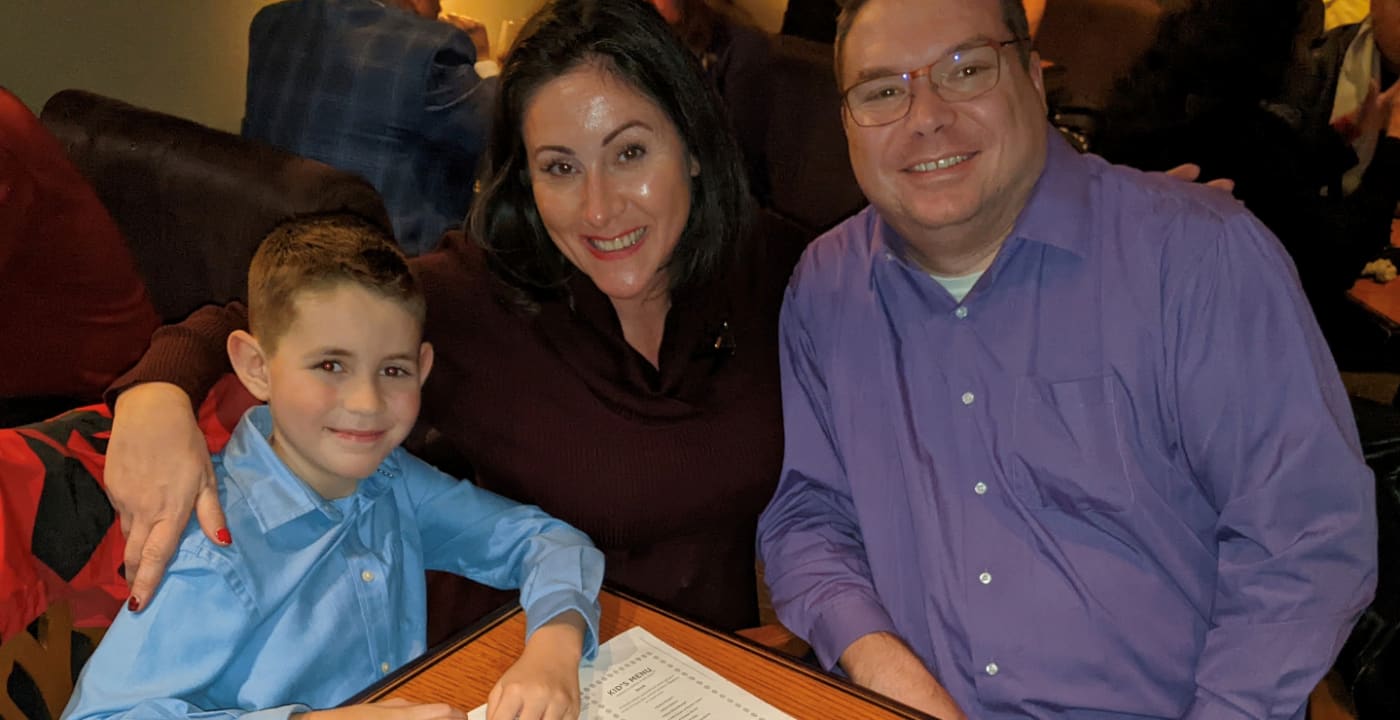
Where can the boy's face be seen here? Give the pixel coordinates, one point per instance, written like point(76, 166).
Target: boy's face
point(343, 385)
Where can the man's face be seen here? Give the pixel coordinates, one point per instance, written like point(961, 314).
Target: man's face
point(1385, 18)
point(945, 164)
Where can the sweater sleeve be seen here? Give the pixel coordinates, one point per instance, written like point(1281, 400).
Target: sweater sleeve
point(189, 354)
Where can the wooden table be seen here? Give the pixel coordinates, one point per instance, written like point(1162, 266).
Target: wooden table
point(463, 671)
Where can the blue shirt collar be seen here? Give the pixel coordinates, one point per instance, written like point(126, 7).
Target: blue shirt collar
point(274, 495)
point(1058, 211)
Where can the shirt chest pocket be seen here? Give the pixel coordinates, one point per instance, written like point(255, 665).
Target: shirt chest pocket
point(1067, 445)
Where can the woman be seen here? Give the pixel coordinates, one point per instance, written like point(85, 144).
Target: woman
point(606, 350)
point(737, 57)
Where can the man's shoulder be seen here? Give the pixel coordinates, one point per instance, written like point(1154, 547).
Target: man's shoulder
point(1157, 231)
point(841, 255)
point(1159, 206)
point(353, 21)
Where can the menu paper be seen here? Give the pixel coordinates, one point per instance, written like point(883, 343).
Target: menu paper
point(636, 676)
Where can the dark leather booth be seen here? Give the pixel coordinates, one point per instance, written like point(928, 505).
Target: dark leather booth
point(193, 201)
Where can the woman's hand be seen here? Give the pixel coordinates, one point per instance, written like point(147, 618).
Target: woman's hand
point(1191, 172)
point(392, 709)
point(157, 470)
point(543, 683)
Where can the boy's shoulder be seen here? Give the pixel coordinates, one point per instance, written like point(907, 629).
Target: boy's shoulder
point(411, 477)
point(234, 501)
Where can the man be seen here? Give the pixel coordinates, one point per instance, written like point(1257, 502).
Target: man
point(381, 89)
point(1062, 440)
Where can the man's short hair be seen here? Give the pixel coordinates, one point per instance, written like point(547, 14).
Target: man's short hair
point(1013, 14)
point(321, 252)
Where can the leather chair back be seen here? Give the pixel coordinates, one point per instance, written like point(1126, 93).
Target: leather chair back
point(194, 202)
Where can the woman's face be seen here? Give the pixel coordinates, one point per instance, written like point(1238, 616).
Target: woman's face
point(611, 178)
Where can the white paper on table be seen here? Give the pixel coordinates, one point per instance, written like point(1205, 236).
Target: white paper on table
point(636, 676)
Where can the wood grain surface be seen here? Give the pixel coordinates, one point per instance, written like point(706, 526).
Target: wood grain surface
point(463, 671)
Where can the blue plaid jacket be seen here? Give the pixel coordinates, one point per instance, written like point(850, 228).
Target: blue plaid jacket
point(377, 91)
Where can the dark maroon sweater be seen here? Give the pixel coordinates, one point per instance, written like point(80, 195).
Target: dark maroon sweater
point(666, 468)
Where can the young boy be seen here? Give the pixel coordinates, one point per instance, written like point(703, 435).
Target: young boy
point(324, 591)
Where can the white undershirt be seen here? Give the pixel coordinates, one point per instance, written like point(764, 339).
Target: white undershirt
point(959, 286)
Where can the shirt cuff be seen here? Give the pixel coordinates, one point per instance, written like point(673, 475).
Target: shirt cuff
point(550, 606)
point(487, 68)
point(845, 621)
point(282, 712)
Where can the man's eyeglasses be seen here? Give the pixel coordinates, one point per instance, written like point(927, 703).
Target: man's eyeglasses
point(960, 75)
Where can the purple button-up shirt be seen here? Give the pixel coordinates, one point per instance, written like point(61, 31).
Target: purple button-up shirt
point(1119, 480)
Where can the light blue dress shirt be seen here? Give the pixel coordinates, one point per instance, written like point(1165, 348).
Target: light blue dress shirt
point(1119, 479)
point(317, 599)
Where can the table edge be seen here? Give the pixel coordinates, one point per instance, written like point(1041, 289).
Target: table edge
point(390, 682)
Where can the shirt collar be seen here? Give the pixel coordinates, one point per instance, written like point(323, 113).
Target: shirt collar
point(274, 495)
point(1056, 214)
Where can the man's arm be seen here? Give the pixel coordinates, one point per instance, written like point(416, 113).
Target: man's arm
point(810, 541)
point(480, 535)
point(1267, 431)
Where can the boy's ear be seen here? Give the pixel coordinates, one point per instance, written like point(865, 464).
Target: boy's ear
point(425, 362)
point(250, 363)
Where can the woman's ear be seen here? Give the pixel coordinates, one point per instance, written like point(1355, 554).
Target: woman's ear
point(425, 362)
point(694, 166)
point(250, 363)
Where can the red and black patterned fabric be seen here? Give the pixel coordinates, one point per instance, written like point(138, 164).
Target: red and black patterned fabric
point(59, 536)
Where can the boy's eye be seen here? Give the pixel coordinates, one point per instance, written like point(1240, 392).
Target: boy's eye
point(332, 366)
point(395, 371)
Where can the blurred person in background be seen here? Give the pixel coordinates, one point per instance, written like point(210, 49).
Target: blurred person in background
point(736, 55)
point(394, 91)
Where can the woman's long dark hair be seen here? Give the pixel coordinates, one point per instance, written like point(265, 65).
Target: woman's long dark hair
point(630, 40)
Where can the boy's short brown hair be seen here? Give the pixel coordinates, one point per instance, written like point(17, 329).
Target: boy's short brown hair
point(320, 252)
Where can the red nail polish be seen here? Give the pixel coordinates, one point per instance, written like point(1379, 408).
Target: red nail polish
point(133, 604)
point(224, 537)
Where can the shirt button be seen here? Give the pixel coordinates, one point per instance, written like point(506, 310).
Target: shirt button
point(384, 667)
point(967, 398)
point(980, 488)
point(992, 669)
point(961, 312)
point(985, 578)
point(367, 576)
